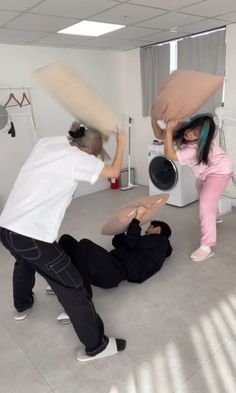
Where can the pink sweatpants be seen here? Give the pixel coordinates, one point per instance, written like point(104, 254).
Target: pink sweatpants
point(210, 191)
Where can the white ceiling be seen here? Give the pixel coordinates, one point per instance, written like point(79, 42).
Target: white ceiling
point(34, 22)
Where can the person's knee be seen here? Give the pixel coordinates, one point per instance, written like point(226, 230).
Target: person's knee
point(109, 282)
point(109, 285)
point(64, 239)
point(85, 243)
point(67, 243)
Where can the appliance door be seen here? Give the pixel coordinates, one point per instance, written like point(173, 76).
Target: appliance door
point(163, 173)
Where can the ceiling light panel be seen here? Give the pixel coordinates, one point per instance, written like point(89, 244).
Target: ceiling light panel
point(90, 28)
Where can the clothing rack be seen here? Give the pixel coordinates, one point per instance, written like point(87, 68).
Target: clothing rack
point(28, 88)
point(15, 88)
point(220, 114)
point(27, 115)
point(230, 118)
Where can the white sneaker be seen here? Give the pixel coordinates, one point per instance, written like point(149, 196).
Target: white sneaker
point(114, 346)
point(201, 254)
point(20, 316)
point(49, 290)
point(63, 318)
point(219, 219)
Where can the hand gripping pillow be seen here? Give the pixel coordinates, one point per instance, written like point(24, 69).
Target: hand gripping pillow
point(64, 84)
point(183, 94)
point(120, 221)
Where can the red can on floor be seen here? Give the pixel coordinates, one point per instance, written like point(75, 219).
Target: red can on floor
point(114, 183)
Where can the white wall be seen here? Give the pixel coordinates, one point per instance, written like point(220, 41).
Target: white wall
point(230, 100)
point(141, 130)
point(116, 77)
point(102, 69)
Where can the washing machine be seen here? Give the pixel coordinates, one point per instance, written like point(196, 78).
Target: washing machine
point(168, 176)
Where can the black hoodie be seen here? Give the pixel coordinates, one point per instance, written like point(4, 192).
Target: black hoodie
point(141, 256)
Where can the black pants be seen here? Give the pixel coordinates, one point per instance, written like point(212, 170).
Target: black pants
point(51, 262)
point(95, 264)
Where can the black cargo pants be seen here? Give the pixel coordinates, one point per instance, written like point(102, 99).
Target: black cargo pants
point(51, 262)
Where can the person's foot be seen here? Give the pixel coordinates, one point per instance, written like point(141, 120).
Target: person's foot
point(49, 290)
point(114, 346)
point(20, 316)
point(63, 318)
point(202, 253)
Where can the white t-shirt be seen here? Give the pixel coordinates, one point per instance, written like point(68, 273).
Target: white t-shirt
point(45, 186)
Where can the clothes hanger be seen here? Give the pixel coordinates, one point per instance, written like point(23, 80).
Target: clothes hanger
point(25, 98)
point(10, 98)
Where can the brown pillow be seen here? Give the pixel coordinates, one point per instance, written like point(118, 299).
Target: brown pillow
point(120, 221)
point(183, 94)
point(64, 84)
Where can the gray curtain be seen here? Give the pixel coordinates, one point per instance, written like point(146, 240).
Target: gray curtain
point(155, 69)
point(205, 53)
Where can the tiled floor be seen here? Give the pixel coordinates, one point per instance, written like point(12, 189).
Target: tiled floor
point(180, 325)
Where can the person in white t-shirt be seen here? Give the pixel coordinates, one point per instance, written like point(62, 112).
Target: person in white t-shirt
point(31, 219)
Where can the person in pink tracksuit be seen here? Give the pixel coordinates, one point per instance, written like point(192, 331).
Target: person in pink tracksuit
point(212, 167)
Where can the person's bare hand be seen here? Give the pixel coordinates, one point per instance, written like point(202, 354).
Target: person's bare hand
point(171, 125)
point(121, 138)
point(141, 211)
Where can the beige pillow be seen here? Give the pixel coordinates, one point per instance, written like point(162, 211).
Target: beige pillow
point(80, 99)
point(183, 94)
point(120, 221)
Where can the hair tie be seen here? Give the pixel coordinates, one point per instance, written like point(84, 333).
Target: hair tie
point(79, 133)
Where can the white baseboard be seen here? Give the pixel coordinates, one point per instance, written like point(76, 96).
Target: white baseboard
point(142, 181)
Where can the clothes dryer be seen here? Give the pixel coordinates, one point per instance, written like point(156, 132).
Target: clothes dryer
point(169, 176)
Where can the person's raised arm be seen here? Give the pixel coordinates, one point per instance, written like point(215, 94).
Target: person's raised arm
point(113, 170)
point(141, 211)
point(158, 132)
point(169, 149)
point(133, 234)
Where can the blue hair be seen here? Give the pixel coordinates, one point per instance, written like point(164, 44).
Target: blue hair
point(206, 124)
point(203, 139)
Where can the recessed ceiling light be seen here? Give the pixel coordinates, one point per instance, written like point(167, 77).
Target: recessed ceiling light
point(90, 28)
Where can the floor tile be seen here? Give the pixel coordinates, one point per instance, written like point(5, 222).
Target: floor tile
point(180, 325)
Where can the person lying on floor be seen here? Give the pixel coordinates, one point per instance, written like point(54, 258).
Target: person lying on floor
point(135, 258)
